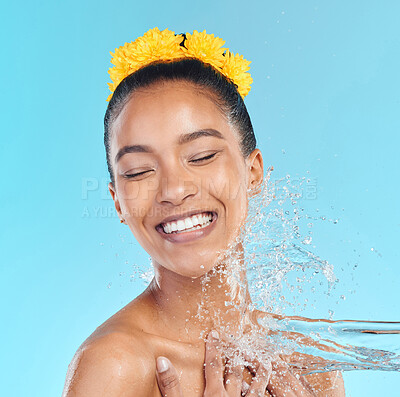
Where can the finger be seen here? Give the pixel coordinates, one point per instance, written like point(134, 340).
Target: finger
point(233, 380)
point(260, 380)
point(253, 363)
point(213, 365)
point(245, 388)
point(284, 384)
point(167, 378)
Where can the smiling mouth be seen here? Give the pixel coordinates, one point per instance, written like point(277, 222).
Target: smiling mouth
point(191, 223)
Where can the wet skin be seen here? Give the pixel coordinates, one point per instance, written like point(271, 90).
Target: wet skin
point(173, 152)
point(204, 174)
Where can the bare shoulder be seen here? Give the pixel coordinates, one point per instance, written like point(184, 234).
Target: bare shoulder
point(327, 384)
point(109, 365)
point(113, 361)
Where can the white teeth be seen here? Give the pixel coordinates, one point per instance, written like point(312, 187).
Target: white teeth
point(181, 225)
point(190, 223)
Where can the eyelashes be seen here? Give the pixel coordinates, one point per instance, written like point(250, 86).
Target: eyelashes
point(210, 156)
point(132, 176)
point(138, 175)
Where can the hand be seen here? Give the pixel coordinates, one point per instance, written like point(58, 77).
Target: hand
point(283, 383)
point(275, 381)
point(216, 385)
point(167, 378)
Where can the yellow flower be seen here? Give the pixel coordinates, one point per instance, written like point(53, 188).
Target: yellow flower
point(235, 68)
point(154, 45)
point(205, 47)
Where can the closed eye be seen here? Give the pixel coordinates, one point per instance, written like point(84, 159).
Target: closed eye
point(132, 176)
point(210, 156)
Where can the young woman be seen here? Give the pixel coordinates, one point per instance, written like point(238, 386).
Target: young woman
point(183, 162)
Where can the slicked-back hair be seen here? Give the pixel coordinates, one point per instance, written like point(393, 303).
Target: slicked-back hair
point(221, 90)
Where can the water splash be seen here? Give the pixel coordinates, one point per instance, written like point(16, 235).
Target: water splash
point(282, 273)
point(278, 266)
point(280, 270)
point(341, 345)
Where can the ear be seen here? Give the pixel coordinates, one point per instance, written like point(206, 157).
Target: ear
point(114, 196)
point(255, 169)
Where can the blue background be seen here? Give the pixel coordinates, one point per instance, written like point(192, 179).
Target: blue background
point(325, 103)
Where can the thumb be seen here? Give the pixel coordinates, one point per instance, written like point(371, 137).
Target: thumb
point(167, 378)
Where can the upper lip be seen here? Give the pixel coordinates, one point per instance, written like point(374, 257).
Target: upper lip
point(174, 218)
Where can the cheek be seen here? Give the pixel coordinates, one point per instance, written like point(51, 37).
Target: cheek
point(128, 194)
point(228, 179)
point(135, 198)
point(230, 187)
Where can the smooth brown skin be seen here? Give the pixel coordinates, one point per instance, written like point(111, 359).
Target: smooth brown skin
point(119, 358)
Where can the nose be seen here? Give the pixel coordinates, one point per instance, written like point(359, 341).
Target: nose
point(176, 186)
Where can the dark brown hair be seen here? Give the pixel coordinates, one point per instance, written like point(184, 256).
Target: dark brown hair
point(223, 92)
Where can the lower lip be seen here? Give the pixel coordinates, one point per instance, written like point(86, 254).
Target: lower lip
point(184, 237)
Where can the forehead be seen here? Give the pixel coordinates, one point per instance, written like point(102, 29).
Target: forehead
point(164, 111)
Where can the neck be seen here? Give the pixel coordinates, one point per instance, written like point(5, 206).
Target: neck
point(190, 308)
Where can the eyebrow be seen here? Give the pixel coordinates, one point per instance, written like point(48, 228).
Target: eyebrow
point(184, 138)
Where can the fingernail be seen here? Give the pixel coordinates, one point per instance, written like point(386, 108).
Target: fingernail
point(162, 364)
point(214, 334)
point(245, 386)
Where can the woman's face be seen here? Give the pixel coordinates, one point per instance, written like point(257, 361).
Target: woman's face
point(180, 178)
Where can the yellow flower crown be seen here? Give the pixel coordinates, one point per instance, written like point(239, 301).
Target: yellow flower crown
point(156, 45)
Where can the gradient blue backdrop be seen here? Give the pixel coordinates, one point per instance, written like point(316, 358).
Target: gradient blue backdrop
point(325, 103)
